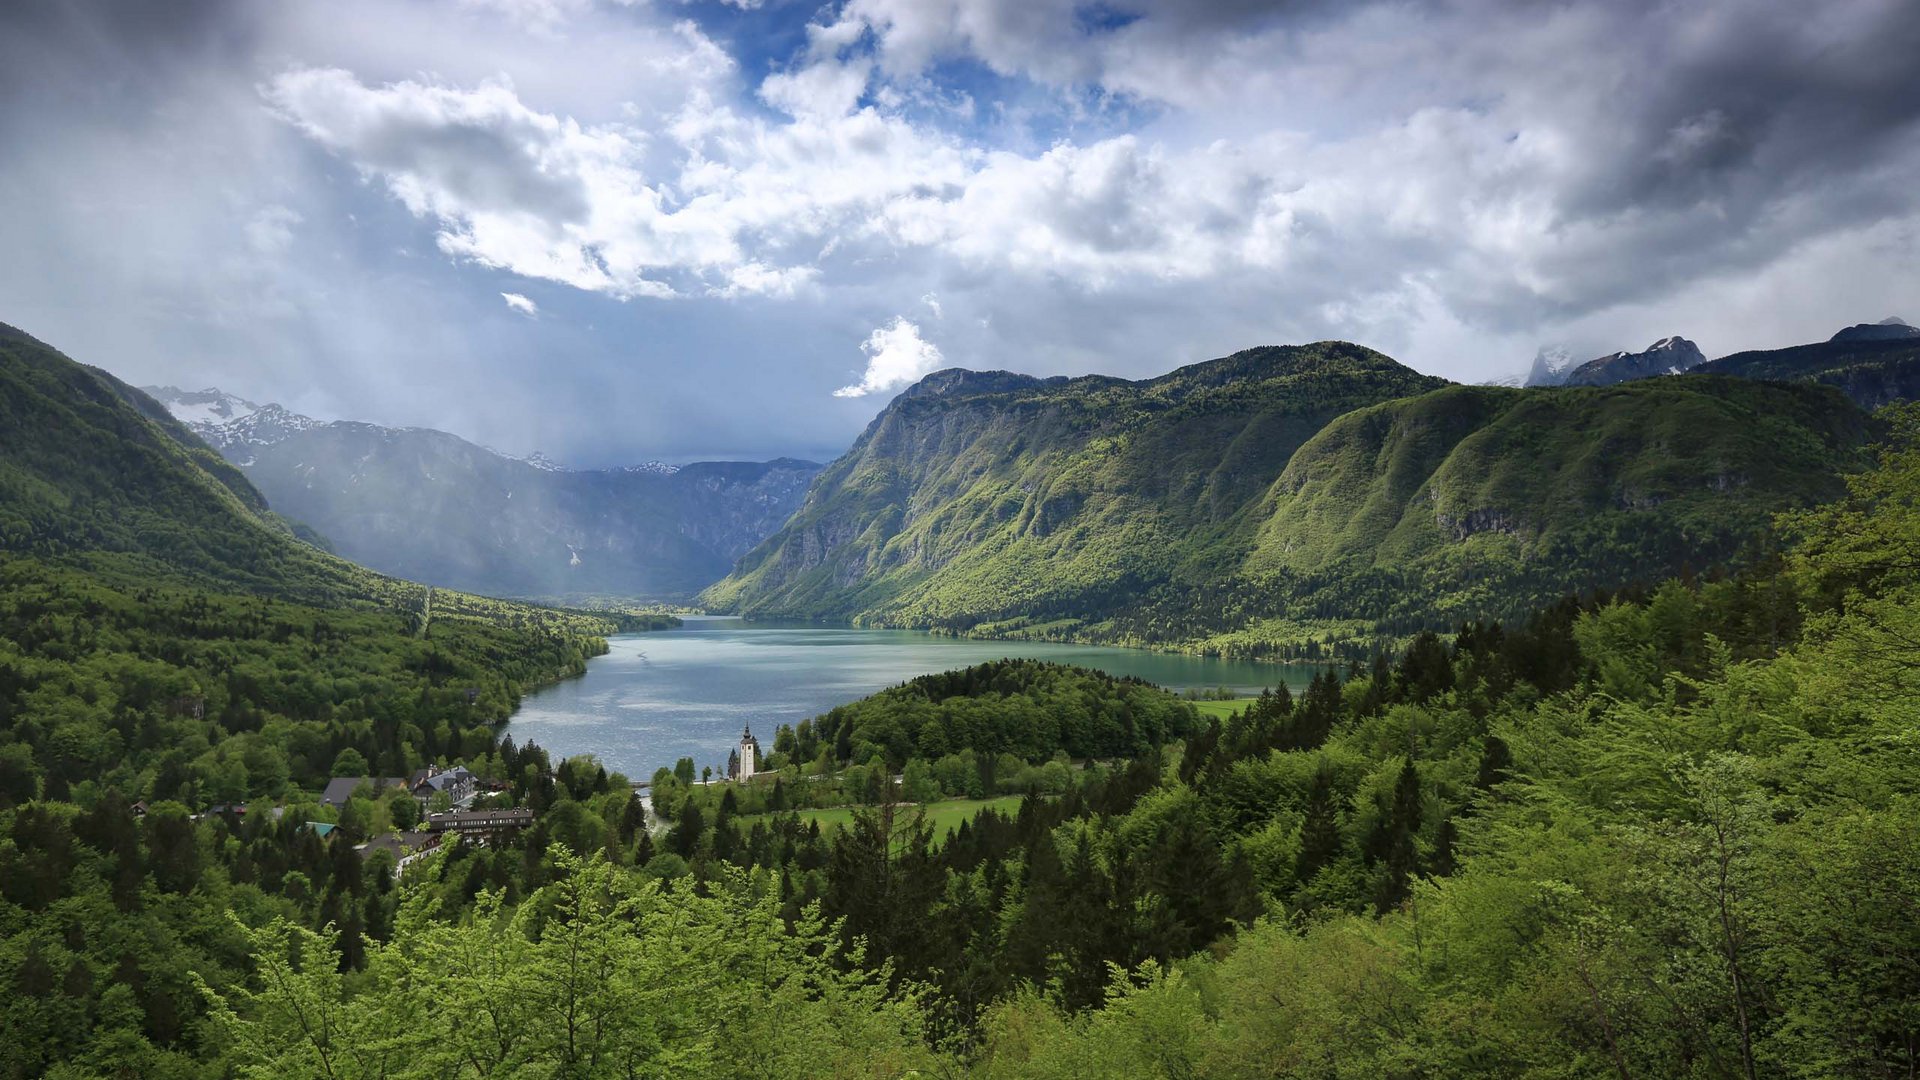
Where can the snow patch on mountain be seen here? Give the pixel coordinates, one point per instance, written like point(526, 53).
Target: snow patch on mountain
point(651, 468)
point(229, 423)
point(1550, 366)
point(1668, 356)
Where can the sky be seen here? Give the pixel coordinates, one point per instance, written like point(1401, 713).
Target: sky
point(620, 230)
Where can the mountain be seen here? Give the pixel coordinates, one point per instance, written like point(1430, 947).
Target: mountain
point(1668, 356)
point(978, 496)
point(432, 507)
point(1281, 497)
point(98, 479)
point(90, 464)
point(1872, 371)
point(1550, 366)
point(1892, 328)
point(1471, 501)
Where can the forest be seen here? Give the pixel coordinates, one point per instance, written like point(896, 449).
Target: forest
point(1664, 833)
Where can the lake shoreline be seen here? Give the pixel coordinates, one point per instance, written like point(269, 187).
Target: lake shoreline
point(690, 691)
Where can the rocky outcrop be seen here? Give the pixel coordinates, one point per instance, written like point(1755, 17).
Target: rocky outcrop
point(1668, 356)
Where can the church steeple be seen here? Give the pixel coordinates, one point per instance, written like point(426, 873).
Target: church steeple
point(749, 754)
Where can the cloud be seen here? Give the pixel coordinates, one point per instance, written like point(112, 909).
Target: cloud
point(896, 356)
point(270, 231)
point(1116, 187)
point(521, 304)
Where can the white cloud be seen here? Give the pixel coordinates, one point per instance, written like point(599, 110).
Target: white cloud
point(521, 304)
point(1451, 182)
point(271, 230)
point(896, 356)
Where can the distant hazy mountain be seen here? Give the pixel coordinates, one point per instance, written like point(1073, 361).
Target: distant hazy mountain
point(1550, 366)
point(1668, 356)
point(433, 507)
point(1889, 329)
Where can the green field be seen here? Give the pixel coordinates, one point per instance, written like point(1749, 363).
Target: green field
point(1221, 709)
point(944, 815)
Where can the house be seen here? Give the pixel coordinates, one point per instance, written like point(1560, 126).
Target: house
point(480, 822)
point(407, 848)
point(322, 829)
point(341, 788)
point(456, 783)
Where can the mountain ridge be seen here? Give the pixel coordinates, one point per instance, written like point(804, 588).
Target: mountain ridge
point(1175, 512)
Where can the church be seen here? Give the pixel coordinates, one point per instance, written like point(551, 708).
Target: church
point(742, 762)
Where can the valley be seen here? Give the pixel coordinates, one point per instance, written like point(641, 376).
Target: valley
point(432, 507)
point(1432, 671)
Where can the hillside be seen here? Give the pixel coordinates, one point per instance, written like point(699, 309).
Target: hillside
point(1280, 499)
point(981, 496)
point(89, 464)
point(1872, 371)
point(98, 483)
point(1475, 501)
point(433, 507)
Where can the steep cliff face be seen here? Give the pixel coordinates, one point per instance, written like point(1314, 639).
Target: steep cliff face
point(977, 496)
point(1668, 356)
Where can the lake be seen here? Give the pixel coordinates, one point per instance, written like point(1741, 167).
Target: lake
point(687, 692)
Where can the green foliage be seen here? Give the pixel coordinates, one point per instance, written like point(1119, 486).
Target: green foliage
point(1314, 502)
point(990, 496)
point(601, 973)
point(1025, 708)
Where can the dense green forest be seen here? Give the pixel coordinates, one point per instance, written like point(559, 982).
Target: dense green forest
point(169, 649)
point(1291, 503)
point(1663, 834)
point(1672, 834)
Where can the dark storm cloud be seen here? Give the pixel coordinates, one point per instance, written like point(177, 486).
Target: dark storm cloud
point(325, 202)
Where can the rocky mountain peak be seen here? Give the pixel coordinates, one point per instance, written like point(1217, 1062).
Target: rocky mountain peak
point(1668, 356)
point(1550, 366)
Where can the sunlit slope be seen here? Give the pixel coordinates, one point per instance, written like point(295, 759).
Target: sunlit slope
point(1283, 495)
point(1476, 499)
point(976, 496)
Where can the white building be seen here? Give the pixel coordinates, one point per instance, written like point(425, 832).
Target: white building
point(749, 754)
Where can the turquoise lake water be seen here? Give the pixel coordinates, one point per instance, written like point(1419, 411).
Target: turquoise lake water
point(687, 692)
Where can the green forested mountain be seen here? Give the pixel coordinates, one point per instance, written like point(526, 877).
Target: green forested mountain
point(1672, 832)
point(138, 557)
point(166, 645)
point(1281, 498)
point(976, 497)
point(1871, 371)
point(1476, 501)
point(91, 465)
